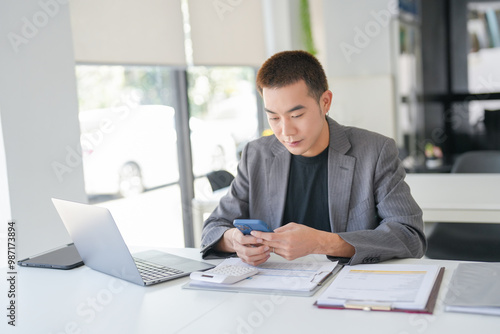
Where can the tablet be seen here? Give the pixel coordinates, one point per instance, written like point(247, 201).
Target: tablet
point(65, 257)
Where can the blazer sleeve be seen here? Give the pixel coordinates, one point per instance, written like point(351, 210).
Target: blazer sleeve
point(399, 233)
point(233, 205)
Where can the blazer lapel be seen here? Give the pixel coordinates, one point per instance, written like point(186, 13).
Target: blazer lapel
point(278, 169)
point(340, 176)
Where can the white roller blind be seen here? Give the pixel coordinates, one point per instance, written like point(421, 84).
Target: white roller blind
point(227, 32)
point(128, 31)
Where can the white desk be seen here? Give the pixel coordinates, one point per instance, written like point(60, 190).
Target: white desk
point(86, 301)
point(457, 198)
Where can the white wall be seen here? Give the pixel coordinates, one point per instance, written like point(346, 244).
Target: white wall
point(277, 21)
point(39, 116)
point(359, 62)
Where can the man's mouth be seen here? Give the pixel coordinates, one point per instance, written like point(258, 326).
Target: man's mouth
point(293, 143)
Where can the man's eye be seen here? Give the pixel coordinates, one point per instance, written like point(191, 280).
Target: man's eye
point(297, 116)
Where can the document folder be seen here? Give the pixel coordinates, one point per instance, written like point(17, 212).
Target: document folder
point(474, 288)
point(391, 288)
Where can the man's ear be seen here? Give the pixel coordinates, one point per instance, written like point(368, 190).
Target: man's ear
point(325, 101)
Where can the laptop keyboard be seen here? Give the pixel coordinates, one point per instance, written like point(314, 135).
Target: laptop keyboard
point(152, 272)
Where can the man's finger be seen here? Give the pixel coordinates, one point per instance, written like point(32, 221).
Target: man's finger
point(249, 240)
point(262, 235)
point(255, 256)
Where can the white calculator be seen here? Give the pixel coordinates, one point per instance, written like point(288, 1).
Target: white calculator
point(225, 274)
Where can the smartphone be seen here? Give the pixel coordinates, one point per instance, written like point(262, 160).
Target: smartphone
point(248, 225)
point(65, 257)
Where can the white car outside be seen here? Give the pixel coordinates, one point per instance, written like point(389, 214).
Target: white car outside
point(126, 151)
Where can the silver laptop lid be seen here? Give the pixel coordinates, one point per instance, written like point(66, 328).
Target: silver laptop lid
point(98, 240)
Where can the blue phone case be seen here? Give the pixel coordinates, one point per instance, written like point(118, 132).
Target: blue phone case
point(248, 225)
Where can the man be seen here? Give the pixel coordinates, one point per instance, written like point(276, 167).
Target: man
point(322, 187)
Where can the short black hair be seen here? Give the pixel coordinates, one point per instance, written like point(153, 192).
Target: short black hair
point(288, 67)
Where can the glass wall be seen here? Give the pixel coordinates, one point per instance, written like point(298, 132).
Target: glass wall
point(409, 87)
point(223, 118)
point(483, 27)
point(129, 149)
point(461, 80)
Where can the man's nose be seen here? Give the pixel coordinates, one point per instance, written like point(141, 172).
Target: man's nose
point(287, 128)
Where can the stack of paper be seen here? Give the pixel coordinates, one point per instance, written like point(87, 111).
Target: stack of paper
point(294, 278)
point(474, 288)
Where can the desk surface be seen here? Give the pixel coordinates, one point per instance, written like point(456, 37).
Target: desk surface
point(85, 301)
point(473, 198)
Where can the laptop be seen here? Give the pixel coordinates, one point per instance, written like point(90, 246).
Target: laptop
point(102, 248)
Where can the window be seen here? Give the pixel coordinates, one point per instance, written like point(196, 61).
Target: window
point(129, 149)
point(223, 117)
point(461, 80)
point(483, 22)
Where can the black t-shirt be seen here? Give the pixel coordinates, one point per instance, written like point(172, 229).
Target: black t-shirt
point(307, 194)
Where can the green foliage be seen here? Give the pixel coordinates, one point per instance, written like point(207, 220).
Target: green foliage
point(305, 20)
point(107, 86)
point(210, 85)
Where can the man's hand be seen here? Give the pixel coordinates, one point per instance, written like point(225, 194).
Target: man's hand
point(248, 248)
point(290, 241)
point(294, 240)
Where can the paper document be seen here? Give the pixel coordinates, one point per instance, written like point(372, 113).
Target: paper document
point(382, 286)
point(474, 288)
point(277, 276)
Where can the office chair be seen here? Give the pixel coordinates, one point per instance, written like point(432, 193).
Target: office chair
point(219, 179)
point(477, 162)
point(468, 241)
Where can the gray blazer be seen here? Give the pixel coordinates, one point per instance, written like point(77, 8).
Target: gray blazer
point(370, 204)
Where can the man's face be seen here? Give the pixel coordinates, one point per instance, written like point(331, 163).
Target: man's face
point(296, 119)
